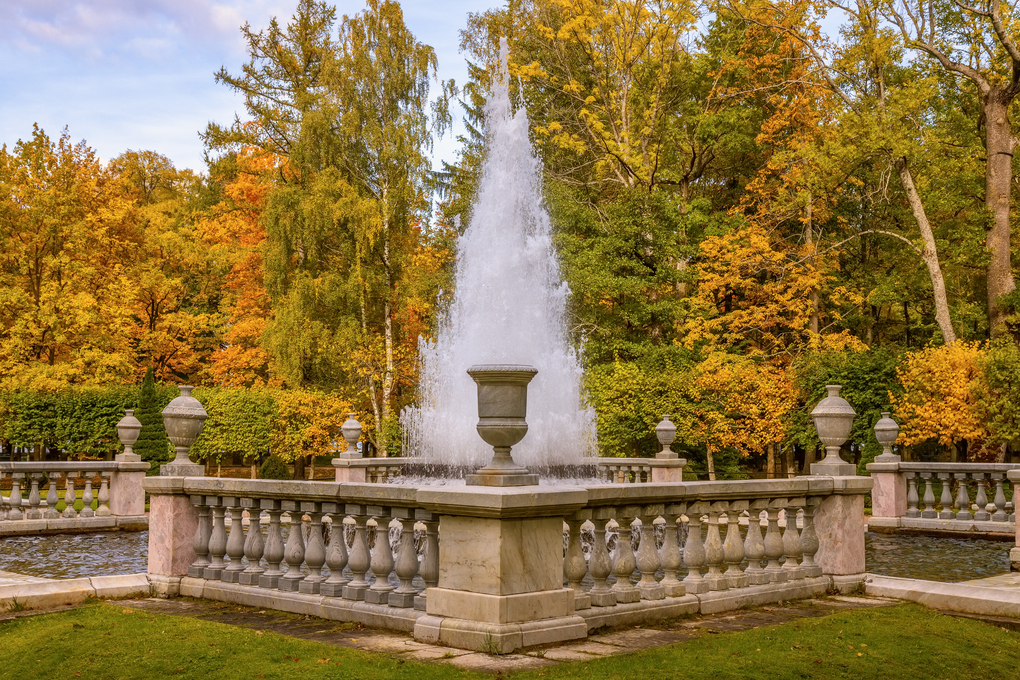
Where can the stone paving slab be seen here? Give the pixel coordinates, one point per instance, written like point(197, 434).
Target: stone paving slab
point(609, 643)
point(31, 592)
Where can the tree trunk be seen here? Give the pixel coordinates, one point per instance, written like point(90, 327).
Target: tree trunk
point(710, 463)
point(999, 146)
point(929, 253)
point(770, 465)
point(387, 386)
point(809, 241)
point(299, 467)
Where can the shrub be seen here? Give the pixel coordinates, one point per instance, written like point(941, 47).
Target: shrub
point(274, 468)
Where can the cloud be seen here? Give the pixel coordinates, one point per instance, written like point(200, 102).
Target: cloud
point(131, 29)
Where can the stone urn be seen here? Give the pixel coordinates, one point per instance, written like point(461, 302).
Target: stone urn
point(502, 408)
point(665, 432)
point(886, 431)
point(351, 431)
point(128, 430)
point(834, 420)
point(183, 419)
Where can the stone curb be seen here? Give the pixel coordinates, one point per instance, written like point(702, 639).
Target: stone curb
point(955, 597)
point(77, 525)
point(58, 592)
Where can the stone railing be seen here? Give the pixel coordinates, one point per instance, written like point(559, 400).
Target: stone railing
point(958, 497)
point(113, 486)
point(613, 470)
point(1014, 555)
point(503, 568)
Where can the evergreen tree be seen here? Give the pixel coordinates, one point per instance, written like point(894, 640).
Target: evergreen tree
point(152, 444)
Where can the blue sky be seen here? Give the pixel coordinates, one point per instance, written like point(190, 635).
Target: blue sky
point(138, 74)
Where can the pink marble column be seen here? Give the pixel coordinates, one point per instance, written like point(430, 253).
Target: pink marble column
point(889, 495)
point(127, 497)
point(172, 524)
point(840, 527)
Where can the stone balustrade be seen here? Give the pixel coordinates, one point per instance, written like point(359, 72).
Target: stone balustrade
point(613, 470)
point(112, 496)
point(499, 569)
point(957, 497)
point(1014, 555)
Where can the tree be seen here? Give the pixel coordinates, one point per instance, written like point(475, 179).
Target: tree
point(152, 444)
point(69, 231)
point(978, 43)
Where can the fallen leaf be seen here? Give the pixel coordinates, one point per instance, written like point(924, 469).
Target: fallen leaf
point(258, 632)
point(859, 654)
point(127, 611)
point(323, 660)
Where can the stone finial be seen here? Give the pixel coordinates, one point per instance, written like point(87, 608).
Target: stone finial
point(834, 420)
point(128, 430)
point(183, 419)
point(351, 430)
point(665, 431)
point(886, 431)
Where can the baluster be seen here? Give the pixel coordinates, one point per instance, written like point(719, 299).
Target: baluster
point(275, 550)
point(600, 564)
point(15, 512)
point(52, 497)
point(406, 566)
point(574, 566)
point(235, 542)
point(104, 495)
point(624, 560)
point(5, 501)
point(429, 568)
point(358, 561)
point(69, 496)
point(791, 541)
point(809, 540)
point(217, 540)
point(947, 496)
point(382, 558)
point(912, 510)
point(774, 542)
point(203, 532)
point(929, 498)
point(336, 553)
point(254, 545)
point(982, 514)
point(670, 555)
point(754, 546)
point(714, 553)
point(694, 550)
point(86, 498)
point(648, 556)
point(1000, 498)
point(733, 548)
point(34, 499)
point(294, 551)
point(315, 550)
point(1011, 515)
point(962, 498)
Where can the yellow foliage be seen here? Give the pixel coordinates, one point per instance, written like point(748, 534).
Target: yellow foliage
point(744, 405)
point(940, 388)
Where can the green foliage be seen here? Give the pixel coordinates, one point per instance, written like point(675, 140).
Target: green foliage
point(631, 397)
point(152, 444)
point(1002, 392)
point(868, 377)
point(238, 424)
point(81, 422)
point(274, 468)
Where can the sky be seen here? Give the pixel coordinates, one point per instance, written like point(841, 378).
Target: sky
point(138, 74)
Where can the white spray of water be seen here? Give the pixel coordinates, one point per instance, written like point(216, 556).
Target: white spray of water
point(509, 306)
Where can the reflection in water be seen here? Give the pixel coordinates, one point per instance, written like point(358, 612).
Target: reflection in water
point(935, 559)
point(125, 552)
point(76, 555)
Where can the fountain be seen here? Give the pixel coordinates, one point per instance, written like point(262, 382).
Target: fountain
point(509, 307)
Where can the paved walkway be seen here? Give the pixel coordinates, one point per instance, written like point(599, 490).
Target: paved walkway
point(620, 641)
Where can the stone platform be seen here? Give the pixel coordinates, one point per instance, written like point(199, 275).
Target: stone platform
point(18, 591)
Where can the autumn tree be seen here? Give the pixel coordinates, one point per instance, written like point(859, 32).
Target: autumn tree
point(70, 233)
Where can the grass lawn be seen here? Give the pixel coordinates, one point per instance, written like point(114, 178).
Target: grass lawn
point(104, 640)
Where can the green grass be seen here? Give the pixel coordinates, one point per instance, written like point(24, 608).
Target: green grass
point(901, 642)
point(104, 640)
